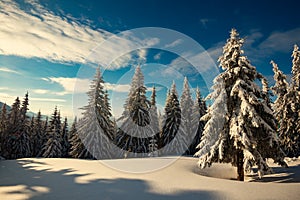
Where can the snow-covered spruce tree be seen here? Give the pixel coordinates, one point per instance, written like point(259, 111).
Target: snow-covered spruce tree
point(37, 135)
point(296, 68)
point(239, 122)
point(3, 128)
point(135, 130)
point(53, 148)
point(154, 124)
point(19, 139)
point(65, 142)
point(13, 126)
point(44, 136)
point(279, 89)
point(283, 111)
point(296, 87)
point(153, 112)
point(77, 149)
point(199, 109)
point(186, 104)
point(288, 108)
point(95, 127)
point(171, 136)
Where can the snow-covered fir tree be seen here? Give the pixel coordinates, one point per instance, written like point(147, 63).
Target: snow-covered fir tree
point(3, 128)
point(279, 89)
point(13, 126)
point(153, 112)
point(77, 149)
point(171, 136)
point(199, 109)
point(65, 142)
point(19, 139)
point(95, 128)
point(296, 68)
point(283, 112)
point(135, 130)
point(296, 87)
point(154, 124)
point(287, 107)
point(186, 104)
point(37, 135)
point(239, 122)
point(53, 148)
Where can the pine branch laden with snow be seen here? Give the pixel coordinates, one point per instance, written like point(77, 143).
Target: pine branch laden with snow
point(240, 118)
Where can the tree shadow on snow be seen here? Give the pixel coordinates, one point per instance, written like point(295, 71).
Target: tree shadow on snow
point(62, 184)
point(280, 175)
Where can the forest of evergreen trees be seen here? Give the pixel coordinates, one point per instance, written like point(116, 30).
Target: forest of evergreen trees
point(241, 121)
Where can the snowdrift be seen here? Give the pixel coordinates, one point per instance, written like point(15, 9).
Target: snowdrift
point(90, 179)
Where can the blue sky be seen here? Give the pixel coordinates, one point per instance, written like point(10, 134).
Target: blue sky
point(50, 48)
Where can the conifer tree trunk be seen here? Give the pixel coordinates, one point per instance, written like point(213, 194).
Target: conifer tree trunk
point(240, 165)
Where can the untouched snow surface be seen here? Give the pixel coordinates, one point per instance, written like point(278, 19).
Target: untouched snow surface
point(55, 178)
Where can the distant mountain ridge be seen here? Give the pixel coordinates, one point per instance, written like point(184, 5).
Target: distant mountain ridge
point(29, 113)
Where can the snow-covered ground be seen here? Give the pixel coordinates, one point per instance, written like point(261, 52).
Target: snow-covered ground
point(89, 179)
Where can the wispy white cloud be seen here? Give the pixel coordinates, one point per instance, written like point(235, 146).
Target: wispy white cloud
point(117, 87)
point(40, 33)
point(157, 56)
point(4, 69)
point(174, 44)
point(4, 88)
point(70, 85)
point(48, 99)
point(281, 41)
point(77, 85)
point(41, 91)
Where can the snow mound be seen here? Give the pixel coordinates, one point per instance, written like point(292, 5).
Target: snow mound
point(55, 178)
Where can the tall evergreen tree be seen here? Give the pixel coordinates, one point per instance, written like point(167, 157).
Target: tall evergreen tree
point(199, 110)
point(187, 130)
point(95, 128)
point(77, 149)
point(172, 141)
point(37, 135)
point(287, 108)
point(279, 89)
point(239, 121)
point(3, 128)
point(296, 87)
point(65, 142)
point(134, 132)
point(154, 124)
point(19, 139)
point(296, 68)
point(53, 148)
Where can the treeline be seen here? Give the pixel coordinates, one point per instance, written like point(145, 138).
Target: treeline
point(96, 135)
point(241, 121)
